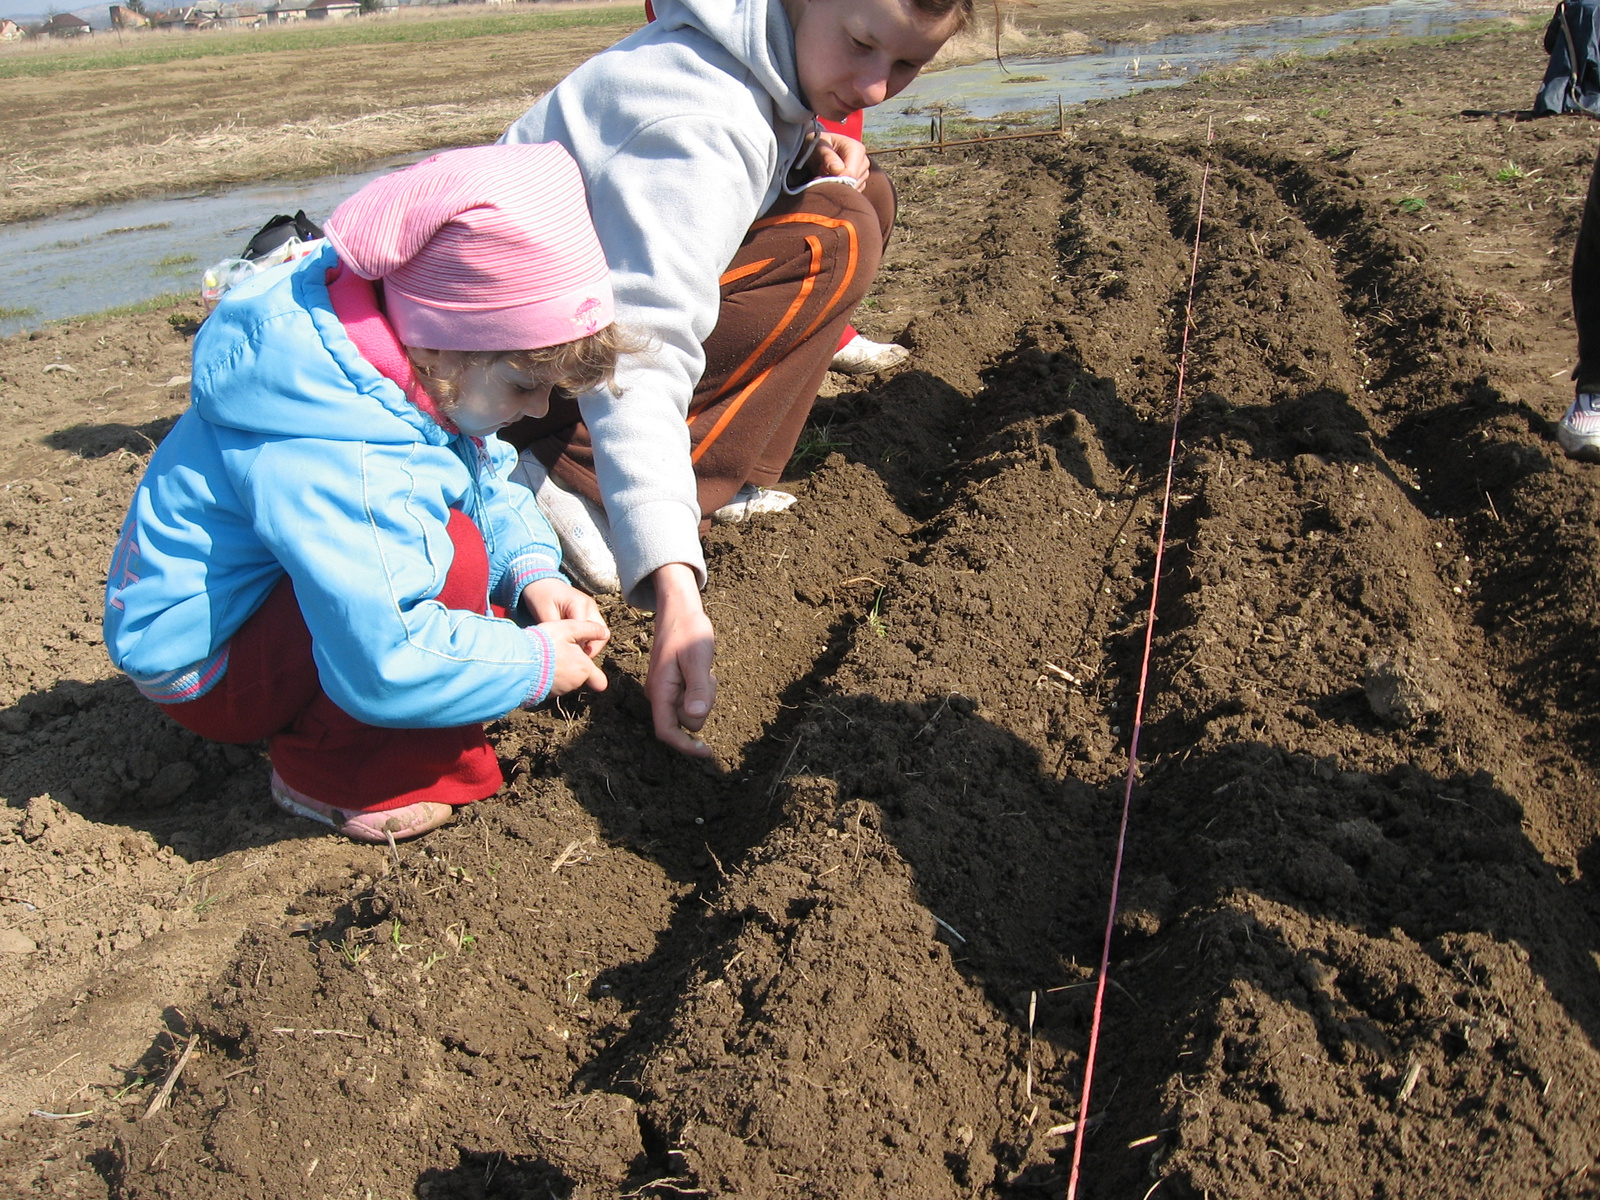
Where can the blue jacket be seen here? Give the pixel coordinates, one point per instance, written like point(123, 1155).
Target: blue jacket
point(298, 456)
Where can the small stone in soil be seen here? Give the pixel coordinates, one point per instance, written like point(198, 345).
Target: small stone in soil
point(12, 942)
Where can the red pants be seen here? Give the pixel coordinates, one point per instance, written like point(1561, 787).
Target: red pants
point(786, 299)
point(271, 690)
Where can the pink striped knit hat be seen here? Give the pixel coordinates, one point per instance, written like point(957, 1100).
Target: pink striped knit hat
point(488, 248)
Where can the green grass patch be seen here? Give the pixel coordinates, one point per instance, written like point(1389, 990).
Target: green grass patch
point(177, 260)
point(17, 314)
point(139, 228)
point(1509, 173)
point(154, 304)
point(875, 620)
point(1411, 204)
point(815, 444)
point(165, 48)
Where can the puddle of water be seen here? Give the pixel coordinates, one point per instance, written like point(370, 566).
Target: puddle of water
point(1031, 86)
point(91, 260)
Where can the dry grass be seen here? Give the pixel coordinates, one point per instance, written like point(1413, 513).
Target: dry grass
point(90, 137)
point(232, 109)
point(237, 153)
point(977, 41)
point(116, 51)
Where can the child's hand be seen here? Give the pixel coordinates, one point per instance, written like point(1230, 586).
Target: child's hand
point(555, 599)
point(844, 157)
point(574, 667)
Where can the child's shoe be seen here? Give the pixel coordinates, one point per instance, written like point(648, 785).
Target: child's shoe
point(862, 356)
point(751, 501)
point(582, 526)
point(1579, 430)
point(411, 821)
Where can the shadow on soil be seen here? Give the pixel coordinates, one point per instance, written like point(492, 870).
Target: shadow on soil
point(1388, 873)
point(97, 441)
point(495, 1176)
point(106, 753)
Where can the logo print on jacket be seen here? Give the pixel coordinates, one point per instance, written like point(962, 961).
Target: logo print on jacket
point(122, 573)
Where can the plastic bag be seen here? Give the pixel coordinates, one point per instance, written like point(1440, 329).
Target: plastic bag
point(231, 272)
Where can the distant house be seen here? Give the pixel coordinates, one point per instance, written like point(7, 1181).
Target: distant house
point(10, 31)
point(209, 14)
point(333, 10)
point(123, 17)
point(65, 25)
point(285, 11)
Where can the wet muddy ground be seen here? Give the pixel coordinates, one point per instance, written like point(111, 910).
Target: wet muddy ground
point(1358, 951)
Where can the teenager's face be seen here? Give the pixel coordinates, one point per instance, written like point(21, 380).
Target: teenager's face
point(489, 396)
point(853, 54)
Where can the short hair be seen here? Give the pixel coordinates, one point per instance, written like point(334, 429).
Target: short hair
point(941, 9)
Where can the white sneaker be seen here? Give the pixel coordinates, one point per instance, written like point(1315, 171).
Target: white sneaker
point(1579, 430)
point(751, 501)
point(581, 525)
point(861, 356)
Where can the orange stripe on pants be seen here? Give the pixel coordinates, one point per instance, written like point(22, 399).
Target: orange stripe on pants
point(851, 256)
point(806, 287)
point(768, 354)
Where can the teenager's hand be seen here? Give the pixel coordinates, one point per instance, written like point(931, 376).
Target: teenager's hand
point(553, 599)
point(681, 687)
point(841, 155)
point(574, 667)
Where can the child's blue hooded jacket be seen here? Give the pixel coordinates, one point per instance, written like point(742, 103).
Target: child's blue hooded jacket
point(297, 455)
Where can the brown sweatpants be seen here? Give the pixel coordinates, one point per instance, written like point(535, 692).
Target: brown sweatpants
point(786, 296)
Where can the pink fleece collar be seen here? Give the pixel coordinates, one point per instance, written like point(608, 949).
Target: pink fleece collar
point(355, 303)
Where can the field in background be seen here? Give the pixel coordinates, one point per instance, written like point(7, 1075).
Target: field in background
point(111, 51)
point(245, 107)
point(105, 120)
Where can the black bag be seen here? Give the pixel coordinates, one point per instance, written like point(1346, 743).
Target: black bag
point(278, 231)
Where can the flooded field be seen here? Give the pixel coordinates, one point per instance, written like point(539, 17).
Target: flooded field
point(1026, 90)
point(86, 261)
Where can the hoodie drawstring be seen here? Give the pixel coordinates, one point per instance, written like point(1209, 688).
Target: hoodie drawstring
point(808, 147)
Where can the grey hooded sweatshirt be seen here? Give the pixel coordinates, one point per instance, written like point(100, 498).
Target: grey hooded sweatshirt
point(684, 132)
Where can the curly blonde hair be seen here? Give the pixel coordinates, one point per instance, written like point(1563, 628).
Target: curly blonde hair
point(569, 367)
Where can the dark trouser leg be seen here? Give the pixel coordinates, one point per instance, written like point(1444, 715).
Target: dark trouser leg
point(271, 690)
point(1586, 290)
point(786, 298)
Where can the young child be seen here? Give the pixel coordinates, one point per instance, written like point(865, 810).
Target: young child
point(322, 550)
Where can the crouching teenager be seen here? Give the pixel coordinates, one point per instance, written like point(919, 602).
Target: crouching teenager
point(324, 551)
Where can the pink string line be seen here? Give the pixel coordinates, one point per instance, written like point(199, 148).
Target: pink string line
point(1138, 707)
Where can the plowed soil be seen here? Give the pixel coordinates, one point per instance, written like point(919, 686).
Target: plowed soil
point(1357, 954)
